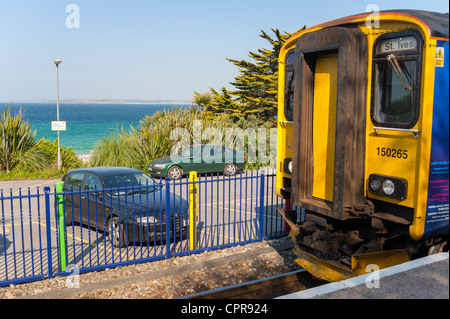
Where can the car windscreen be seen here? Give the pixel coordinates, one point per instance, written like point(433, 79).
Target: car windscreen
point(131, 183)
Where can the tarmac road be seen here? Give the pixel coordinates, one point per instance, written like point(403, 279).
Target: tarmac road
point(24, 184)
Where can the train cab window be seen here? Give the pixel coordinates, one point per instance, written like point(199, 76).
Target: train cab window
point(289, 85)
point(396, 79)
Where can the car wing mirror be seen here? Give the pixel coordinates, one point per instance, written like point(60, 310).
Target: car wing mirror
point(97, 195)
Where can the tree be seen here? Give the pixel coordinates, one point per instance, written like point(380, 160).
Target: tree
point(257, 82)
point(224, 103)
point(203, 100)
point(256, 85)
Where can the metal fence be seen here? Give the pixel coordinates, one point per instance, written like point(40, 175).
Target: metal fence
point(47, 232)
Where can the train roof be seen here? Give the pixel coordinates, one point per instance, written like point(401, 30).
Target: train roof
point(437, 23)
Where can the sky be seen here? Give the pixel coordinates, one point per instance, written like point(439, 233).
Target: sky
point(147, 50)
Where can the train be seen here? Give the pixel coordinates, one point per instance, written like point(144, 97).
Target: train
point(363, 141)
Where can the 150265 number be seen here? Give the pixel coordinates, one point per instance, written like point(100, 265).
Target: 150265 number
point(392, 152)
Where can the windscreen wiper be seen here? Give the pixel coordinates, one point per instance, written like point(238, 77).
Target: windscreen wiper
point(395, 66)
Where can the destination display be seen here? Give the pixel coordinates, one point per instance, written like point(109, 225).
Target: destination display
point(397, 44)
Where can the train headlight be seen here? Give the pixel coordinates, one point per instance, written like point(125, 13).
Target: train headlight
point(393, 187)
point(375, 184)
point(388, 187)
point(288, 165)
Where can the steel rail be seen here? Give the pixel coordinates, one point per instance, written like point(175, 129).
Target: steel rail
point(248, 287)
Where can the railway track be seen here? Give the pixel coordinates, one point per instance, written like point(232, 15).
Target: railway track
point(266, 288)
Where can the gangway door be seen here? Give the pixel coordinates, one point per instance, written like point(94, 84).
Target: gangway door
point(329, 122)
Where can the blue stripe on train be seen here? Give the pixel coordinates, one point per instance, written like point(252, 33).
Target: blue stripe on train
point(437, 216)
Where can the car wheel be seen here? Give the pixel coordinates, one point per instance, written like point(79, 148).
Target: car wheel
point(174, 172)
point(230, 169)
point(115, 232)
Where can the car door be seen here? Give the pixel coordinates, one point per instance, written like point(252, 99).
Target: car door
point(194, 162)
point(72, 183)
point(92, 201)
point(217, 159)
point(210, 160)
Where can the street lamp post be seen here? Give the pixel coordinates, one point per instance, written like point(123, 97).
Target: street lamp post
point(57, 63)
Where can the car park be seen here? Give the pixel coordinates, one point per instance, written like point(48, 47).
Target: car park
point(201, 159)
point(125, 203)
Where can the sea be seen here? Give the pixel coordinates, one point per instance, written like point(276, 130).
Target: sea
point(86, 123)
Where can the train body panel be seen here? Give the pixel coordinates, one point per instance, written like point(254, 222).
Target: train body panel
point(437, 209)
point(363, 134)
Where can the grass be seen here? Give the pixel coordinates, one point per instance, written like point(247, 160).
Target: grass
point(23, 175)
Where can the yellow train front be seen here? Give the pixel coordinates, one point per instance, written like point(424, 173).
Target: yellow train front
point(363, 128)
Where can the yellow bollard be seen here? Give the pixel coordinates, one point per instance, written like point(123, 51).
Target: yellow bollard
point(192, 211)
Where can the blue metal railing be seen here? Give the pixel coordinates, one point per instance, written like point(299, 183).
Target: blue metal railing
point(21, 238)
point(152, 224)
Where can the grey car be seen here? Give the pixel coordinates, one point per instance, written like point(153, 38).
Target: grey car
point(125, 203)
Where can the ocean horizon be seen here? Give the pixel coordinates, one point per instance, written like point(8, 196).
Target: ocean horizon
point(86, 123)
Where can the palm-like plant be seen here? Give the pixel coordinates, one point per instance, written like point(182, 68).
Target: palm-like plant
point(17, 139)
point(203, 100)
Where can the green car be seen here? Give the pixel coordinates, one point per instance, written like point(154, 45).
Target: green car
point(201, 159)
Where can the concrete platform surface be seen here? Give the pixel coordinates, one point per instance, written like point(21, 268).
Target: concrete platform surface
point(424, 278)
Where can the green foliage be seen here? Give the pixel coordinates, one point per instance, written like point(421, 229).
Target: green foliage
point(112, 150)
point(257, 82)
point(49, 154)
point(17, 140)
point(45, 158)
point(256, 85)
point(138, 146)
point(153, 139)
point(223, 103)
point(17, 174)
point(202, 100)
point(23, 157)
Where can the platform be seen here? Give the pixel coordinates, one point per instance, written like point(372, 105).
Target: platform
point(424, 278)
